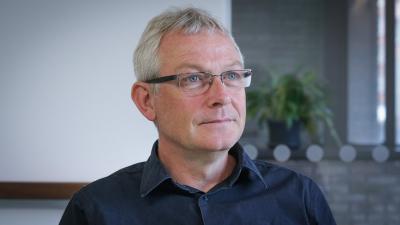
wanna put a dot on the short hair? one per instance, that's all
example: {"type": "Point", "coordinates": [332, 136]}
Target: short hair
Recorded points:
{"type": "Point", "coordinates": [190, 20]}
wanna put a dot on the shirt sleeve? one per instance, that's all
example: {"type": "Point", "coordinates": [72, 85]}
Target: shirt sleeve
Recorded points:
{"type": "Point", "coordinates": [320, 213]}
{"type": "Point", "coordinates": [74, 214]}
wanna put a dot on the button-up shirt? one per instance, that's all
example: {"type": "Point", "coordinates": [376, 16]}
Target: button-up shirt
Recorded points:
{"type": "Point", "coordinates": [257, 192]}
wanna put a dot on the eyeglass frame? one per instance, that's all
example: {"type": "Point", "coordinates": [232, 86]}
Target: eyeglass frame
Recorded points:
{"type": "Point", "coordinates": [162, 79]}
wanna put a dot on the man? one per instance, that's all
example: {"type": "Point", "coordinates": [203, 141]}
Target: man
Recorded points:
{"type": "Point", "coordinates": [190, 83]}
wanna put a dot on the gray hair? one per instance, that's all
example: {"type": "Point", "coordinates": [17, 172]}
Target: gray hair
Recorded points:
{"type": "Point", "coordinates": [190, 20]}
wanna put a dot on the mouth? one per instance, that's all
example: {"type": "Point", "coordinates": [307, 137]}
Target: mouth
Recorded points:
{"type": "Point", "coordinates": [218, 121]}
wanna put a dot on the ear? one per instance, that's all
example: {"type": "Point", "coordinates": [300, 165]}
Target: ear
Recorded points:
{"type": "Point", "coordinates": [143, 99]}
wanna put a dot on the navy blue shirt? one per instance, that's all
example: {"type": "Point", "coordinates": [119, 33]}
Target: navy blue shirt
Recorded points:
{"type": "Point", "coordinates": [256, 192]}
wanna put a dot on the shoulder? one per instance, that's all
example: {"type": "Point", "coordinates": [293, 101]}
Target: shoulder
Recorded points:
{"type": "Point", "coordinates": [292, 186]}
{"type": "Point", "coordinates": [276, 175]}
{"type": "Point", "coordinates": [128, 178]}
{"type": "Point", "coordinates": [268, 168]}
{"type": "Point", "coordinates": [104, 196]}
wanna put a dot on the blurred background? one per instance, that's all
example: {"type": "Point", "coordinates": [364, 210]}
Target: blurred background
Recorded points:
{"type": "Point", "coordinates": [66, 114]}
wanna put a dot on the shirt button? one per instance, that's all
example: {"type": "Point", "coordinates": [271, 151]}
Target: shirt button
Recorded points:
{"type": "Point", "coordinates": [204, 198]}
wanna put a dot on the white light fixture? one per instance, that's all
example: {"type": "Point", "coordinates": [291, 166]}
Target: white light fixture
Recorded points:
{"type": "Point", "coordinates": [314, 153]}
{"type": "Point", "coordinates": [380, 153]}
{"type": "Point", "coordinates": [281, 153]}
{"type": "Point", "coordinates": [251, 150]}
{"type": "Point", "coordinates": [347, 153]}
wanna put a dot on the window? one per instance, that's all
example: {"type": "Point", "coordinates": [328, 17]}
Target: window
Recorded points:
{"type": "Point", "coordinates": [397, 71]}
{"type": "Point", "coordinates": [366, 72]}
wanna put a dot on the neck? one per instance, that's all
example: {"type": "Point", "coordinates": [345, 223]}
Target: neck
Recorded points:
{"type": "Point", "coordinates": [201, 169]}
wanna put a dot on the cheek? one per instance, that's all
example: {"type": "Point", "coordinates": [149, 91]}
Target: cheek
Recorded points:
{"type": "Point", "coordinates": [239, 103]}
{"type": "Point", "coordinates": [173, 112]}
{"type": "Point", "coordinates": [240, 107]}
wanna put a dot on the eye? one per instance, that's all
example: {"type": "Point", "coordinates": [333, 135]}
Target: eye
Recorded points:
{"type": "Point", "coordinates": [232, 75]}
{"type": "Point", "coordinates": [192, 80]}
{"type": "Point", "coordinates": [194, 77]}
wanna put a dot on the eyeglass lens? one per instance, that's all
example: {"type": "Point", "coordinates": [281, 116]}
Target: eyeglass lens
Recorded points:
{"type": "Point", "coordinates": [198, 83]}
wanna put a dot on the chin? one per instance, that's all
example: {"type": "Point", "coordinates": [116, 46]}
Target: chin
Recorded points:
{"type": "Point", "coordinates": [217, 139]}
{"type": "Point", "coordinates": [216, 144]}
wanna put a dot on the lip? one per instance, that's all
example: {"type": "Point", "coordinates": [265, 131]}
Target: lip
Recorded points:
{"type": "Point", "coordinates": [218, 121]}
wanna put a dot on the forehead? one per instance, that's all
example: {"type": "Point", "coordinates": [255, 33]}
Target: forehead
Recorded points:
{"type": "Point", "coordinates": [208, 50]}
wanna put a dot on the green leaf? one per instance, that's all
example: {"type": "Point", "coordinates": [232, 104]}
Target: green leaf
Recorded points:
{"type": "Point", "coordinates": [290, 97]}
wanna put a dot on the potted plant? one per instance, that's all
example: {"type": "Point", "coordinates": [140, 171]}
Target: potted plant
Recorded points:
{"type": "Point", "coordinates": [288, 103]}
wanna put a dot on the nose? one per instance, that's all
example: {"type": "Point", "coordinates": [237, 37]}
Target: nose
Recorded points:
{"type": "Point", "coordinates": [217, 93]}
{"type": "Point", "coordinates": [218, 77]}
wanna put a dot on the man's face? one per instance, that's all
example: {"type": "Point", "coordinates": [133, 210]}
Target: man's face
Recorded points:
{"type": "Point", "coordinates": [211, 121]}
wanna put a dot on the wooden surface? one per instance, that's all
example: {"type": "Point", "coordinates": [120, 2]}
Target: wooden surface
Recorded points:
{"type": "Point", "coordinates": [30, 190]}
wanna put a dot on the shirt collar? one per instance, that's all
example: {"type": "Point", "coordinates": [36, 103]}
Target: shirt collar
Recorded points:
{"type": "Point", "coordinates": [154, 173]}
{"type": "Point", "coordinates": [244, 161]}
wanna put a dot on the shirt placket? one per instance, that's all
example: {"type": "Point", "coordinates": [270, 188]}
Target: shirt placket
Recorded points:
{"type": "Point", "coordinates": [203, 204]}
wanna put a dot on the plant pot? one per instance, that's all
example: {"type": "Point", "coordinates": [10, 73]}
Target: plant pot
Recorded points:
{"type": "Point", "coordinates": [279, 133]}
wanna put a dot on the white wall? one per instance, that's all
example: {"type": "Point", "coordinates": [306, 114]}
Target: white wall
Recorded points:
{"type": "Point", "coordinates": [31, 212]}
{"type": "Point", "coordinates": [65, 77]}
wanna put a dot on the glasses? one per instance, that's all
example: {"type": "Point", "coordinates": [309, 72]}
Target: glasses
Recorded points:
{"type": "Point", "coordinates": [197, 83]}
